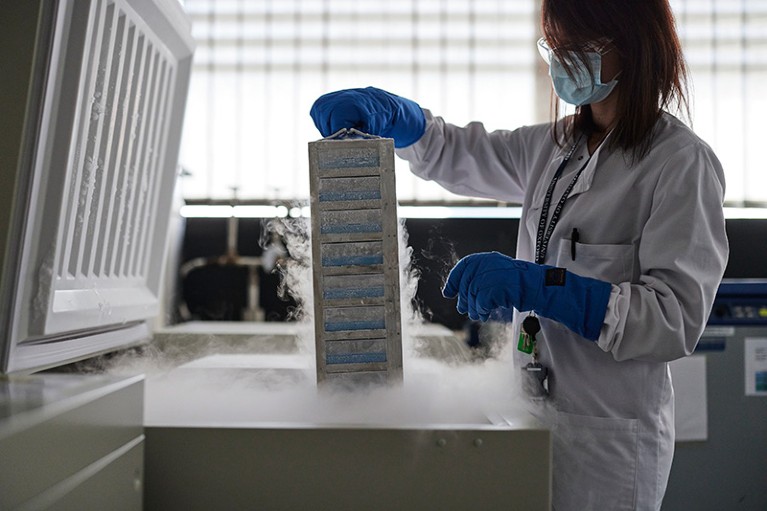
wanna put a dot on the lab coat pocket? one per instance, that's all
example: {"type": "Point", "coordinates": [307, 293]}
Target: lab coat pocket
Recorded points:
{"type": "Point", "coordinates": [611, 263]}
{"type": "Point", "coordinates": [595, 463]}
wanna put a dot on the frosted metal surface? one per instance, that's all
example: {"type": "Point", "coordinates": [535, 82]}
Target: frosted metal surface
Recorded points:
{"type": "Point", "coordinates": [98, 176]}
{"type": "Point", "coordinates": [355, 261]}
{"type": "Point", "coordinates": [115, 170]}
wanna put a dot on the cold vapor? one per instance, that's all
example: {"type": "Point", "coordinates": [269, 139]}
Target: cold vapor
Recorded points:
{"type": "Point", "coordinates": [270, 378]}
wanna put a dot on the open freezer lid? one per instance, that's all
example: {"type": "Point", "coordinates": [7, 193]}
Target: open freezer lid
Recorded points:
{"type": "Point", "coordinates": [90, 194]}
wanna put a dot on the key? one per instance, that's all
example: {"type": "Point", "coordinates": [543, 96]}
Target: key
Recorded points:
{"type": "Point", "coordinates": [530, 327]}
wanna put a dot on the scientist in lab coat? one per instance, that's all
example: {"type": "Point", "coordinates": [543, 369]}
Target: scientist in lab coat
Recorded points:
{"type": "Point", "coordinates": [621, 243]}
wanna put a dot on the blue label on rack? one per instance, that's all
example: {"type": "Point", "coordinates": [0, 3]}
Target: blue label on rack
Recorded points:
{"type": "Point", "coordinates": [339, 326]}
{"type": "Point", "coordinates": [348, 158]}
{"type": "Point", "coordinates": [350, 228]}
{"type": "Point", "coordinates": [356, 358]}
{"type": "Point", "coordinates": [361, 292]}
{"type": "Point", "coordinates": [356, 260]}
{"type": "Point", "coordinates": [350, 195]}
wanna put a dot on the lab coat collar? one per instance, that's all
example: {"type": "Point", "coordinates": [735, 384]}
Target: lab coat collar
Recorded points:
{"type": "Point", "coordinates": [587, 176]}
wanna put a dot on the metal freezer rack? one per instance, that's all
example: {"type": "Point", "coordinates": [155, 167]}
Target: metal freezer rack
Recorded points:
{"type": "Point", "coordinates": [355, 259]}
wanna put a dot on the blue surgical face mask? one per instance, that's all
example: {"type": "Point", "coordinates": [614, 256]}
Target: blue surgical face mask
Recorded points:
{"type": "Point", "coordinates": [584, 87]}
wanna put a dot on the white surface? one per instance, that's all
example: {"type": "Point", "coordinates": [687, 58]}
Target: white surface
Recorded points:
{"type": "Point", "coordinates": [276, 361]}
{"type": "Point", "coordinates": [236, 328]}
{"type": "Point", "coordinates": [690, 402]}
{"type": "Point", "coordinates": [71, 441]}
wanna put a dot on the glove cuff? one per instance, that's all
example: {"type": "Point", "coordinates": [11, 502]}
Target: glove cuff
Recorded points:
{"type": "Point", "coordinates": [412, 116]}
{"type": "Point", "coordinates": [579, 303]}
{"type": "Point", "coordinates": [595, 309]}
{"type": "Point", "coordinates": [408, 122]}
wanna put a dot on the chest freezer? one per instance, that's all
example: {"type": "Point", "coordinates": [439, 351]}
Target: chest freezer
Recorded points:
{"type": "Point", "coordinates": [257, 429]}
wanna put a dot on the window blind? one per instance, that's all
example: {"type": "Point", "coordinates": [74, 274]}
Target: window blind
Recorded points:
{"type": "Point", "coordinates": [260, 64]}
{"type": "Point", "coordinates": [725, 45]}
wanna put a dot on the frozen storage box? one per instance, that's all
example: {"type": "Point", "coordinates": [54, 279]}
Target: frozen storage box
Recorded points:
{"type": "Point", "coordinates": [358, 335]}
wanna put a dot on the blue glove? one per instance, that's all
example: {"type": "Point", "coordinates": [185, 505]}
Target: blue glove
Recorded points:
{"type": "Point", "coordinates": [486, 281]}
{"type": "Point", "coordinates": [373, 111]}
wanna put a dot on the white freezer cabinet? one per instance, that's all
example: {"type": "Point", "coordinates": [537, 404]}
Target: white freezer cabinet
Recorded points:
{"type": "Point", "coordinates": [70, 441]}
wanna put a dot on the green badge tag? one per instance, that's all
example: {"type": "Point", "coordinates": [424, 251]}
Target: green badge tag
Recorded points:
{"type": "Point", "coordinates": [526, 343]}
{"type": "Point", "coordinates": [530, 327]}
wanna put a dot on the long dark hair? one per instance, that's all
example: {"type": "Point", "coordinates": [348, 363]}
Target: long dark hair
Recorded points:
{"type": "Point", "coordinates": [654, 73]}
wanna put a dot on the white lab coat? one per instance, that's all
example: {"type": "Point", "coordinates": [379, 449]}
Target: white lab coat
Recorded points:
{"type": "Point", "coordinates": [656, 231]}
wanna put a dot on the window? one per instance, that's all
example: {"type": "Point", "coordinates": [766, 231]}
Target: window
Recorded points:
{"type": "Point", "coordinates": [260, 64]}
{"type": "Point", "coordinates": [726, 48]}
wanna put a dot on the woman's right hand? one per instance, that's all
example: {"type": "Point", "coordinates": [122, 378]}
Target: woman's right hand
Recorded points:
{"type": "Point", "coordinates": [370, 110]}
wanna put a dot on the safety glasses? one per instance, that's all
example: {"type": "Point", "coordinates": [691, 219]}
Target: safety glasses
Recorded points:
{"type": "Point", "coordinates": [601, 47]}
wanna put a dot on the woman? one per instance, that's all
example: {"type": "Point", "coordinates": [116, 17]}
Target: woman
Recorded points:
{"type": "Point", "coordinates": [621, 244]}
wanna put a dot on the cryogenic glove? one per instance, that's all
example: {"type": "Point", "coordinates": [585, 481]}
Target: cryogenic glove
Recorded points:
{"type": "Point", "coordinates": [486, 281]}
{"type": "Point", "coordinates": [370, 110]}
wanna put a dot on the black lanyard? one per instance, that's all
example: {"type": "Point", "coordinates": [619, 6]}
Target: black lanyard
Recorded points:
{"type": "Point", "coordinates": [544, 234]}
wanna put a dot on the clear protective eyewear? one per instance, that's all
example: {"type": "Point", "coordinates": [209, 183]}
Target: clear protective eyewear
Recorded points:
{"type": "Point", "coordinates": [547, 52]}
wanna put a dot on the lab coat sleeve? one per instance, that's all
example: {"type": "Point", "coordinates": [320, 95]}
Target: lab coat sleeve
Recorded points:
{"type": "Point", "coordinates": [682, 255]}
{"type": "Point", "coordinates": [471, 161]}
